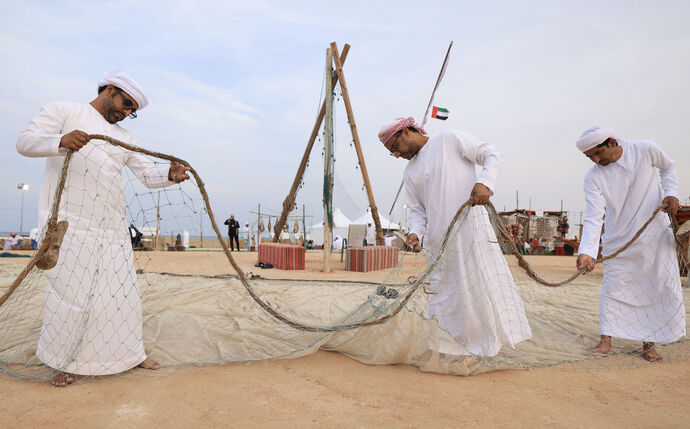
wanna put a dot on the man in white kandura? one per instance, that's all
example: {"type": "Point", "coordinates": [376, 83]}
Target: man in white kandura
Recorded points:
{"type": "Point", "coordinates": [185, 239]}
{"type": "Point", "coordinates": [472, 294]}
{"type": "Point", "coordinates": [641, 297]}
{"type": "Point", "coordinates": [33, 236]}
{"type": "Point", "coordinates": [247, 237]}
{"type": "Point", "coordinates": [92, 322]}
{"type": "Point", "coordinates": [370, 235]}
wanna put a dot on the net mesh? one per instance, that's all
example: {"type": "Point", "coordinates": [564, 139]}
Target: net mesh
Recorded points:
{"type": "Point", "coordinates": [105, 306]}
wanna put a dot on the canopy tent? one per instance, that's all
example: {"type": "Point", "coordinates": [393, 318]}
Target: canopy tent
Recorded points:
{"type": "Point", "coordinates": [340, 227]}
{"type": "Point", "coordinates": [367, 218]}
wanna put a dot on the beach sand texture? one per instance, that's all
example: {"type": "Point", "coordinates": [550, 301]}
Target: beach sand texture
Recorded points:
{"type": "Point", "coordinates": [214, 321]}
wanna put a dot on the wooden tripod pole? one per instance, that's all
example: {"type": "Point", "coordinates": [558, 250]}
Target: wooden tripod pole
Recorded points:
{"type": "Point", "coordinates": [289, 202]}
{"type": "Point", "coordinates": [355, 137]}
{"type": "Point", "coordinates": [327, 164]}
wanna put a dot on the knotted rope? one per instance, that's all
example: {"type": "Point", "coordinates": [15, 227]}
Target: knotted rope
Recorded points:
{"type": "Point", "coordinates": [522, 262]}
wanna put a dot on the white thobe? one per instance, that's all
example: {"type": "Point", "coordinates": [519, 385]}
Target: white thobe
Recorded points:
{"type": "Point", "coordinates": [337, 243]}
{"type": "Point", "coordinates": [11, 241]}
{"type": "Point", "coordinates": [371, 235]}
{"type": "Point", "coordinates": [185, 239]}
{"type": "Point", "coordinates": [473, 294]}
{"type": "Point", "coordinates": [92, 314]}
{"type": "Point", "coordinates": [247, 237]}
{"type": "Point", "coordinates": [641, 297]}
{"type": "Point", "coordinates": [246, 233]}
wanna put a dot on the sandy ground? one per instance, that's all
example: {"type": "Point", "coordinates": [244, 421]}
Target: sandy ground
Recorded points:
{"type": "Point", "coordinates": [330, 390]}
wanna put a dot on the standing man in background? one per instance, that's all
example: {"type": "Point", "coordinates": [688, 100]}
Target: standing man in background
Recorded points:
{"type": "Point", "coordinates": [233, 232]}
{"type": "Point", "coordinates": [33, 236]}
{"type": "Point", "coordinates": [371, 235]}
{"type": "Point", "coordinates": [247, 237]}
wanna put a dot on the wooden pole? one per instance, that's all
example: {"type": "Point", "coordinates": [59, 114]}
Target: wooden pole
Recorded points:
{"type": "Point", "coordinates": [289, 202]}
{"type": "Point", "coordinates": [355, 137]}
{"type": "Point", "coordinates": [258, 228]}
{"type": "Point", "coordinates": [529, 219]}
{"type": "Point", "coordinates": [201, 228]}
{"type": "Point", "coordinates": [158, 219]}
{"type": "Point", "coordinates": [441, 73]}
{"type": "Point", "coordinates": [304, 227]}
{"type": "Point", "coordinates": [438, 82]}
{"type": "Point", "coordinates": [328, 175]}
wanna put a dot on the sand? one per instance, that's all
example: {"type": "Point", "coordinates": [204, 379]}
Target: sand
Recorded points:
{"type": "Point", "coordinates": [329, 389]}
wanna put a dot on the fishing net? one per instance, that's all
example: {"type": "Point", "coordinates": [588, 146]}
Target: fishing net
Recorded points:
{"type": "Point", "coordinates": [90, 313]}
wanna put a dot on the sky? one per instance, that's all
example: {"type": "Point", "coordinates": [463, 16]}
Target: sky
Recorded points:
{"type": "Point", "coordinates": [234, 88]}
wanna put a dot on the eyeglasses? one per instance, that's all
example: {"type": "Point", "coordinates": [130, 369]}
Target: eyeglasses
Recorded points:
{"type": "Point", "coordinates": [394, 146]}
{"type": "Point", "coordinates": [127, 103]}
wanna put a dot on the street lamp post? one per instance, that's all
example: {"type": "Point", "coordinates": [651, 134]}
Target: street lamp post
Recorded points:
{"type": "Point", "coordinates": [22, 187]}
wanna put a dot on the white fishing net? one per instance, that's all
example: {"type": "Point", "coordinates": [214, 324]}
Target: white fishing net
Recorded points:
{"type": "Point", "coordinates": [83, 315]}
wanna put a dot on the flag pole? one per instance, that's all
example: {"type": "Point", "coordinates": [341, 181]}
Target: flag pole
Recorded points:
{"type": "Point", "coordinates": [426, 113]}
{"type": "Point", "coordinates": [438, 82]}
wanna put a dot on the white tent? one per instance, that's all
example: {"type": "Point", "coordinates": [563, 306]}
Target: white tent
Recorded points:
{"type": "Point", "coordinates": [340, 227]}
{"type": "Point", "coordinates": [367, 218]}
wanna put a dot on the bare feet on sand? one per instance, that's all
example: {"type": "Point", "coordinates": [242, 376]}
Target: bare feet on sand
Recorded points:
{"type": "Point", "coordinates": [649, 353]}
{"type": "Point", "coordinates": [604, 346]}
{"type": "Point", "coordinates": [63, 379]}
{"type": "Point", "coordinates": [149, 363]}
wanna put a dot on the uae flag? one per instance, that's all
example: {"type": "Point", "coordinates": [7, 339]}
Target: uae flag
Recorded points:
{"type": "Point", "coordinates": [439, 113]}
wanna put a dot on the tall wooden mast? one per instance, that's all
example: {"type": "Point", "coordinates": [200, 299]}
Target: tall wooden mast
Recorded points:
{"type": "Point", "coordinates": [355, 137]}
{"type": "Point", "coordinates": [289, 203]}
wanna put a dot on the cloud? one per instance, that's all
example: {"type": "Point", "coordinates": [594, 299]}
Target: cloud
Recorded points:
{"type": "Point", "coordinates": [235, 86]}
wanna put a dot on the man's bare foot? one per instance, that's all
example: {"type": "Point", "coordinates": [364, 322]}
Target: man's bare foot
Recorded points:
{"type": "Point", "coordinates": [604, 346]}
{"type": "Point", "coordinates": [650, 354]}
{"type": "Point", "coordinates": [149, 363]}
{"type": "Point", "coordinates": [63, 379]}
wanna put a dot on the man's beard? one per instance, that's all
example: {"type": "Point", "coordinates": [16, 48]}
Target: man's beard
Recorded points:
{"type": "Point", "coordinates": [114, 117]}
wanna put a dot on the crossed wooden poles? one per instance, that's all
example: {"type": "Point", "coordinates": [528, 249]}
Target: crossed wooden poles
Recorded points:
{"type": "Point", "coordinates": [289, 203]}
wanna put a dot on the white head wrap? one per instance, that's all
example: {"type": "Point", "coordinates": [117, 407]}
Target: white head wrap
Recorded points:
{"type": "Point", "coordinates": [121, 80]}
{"type": "Point", "coordinates": [594, 137]}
